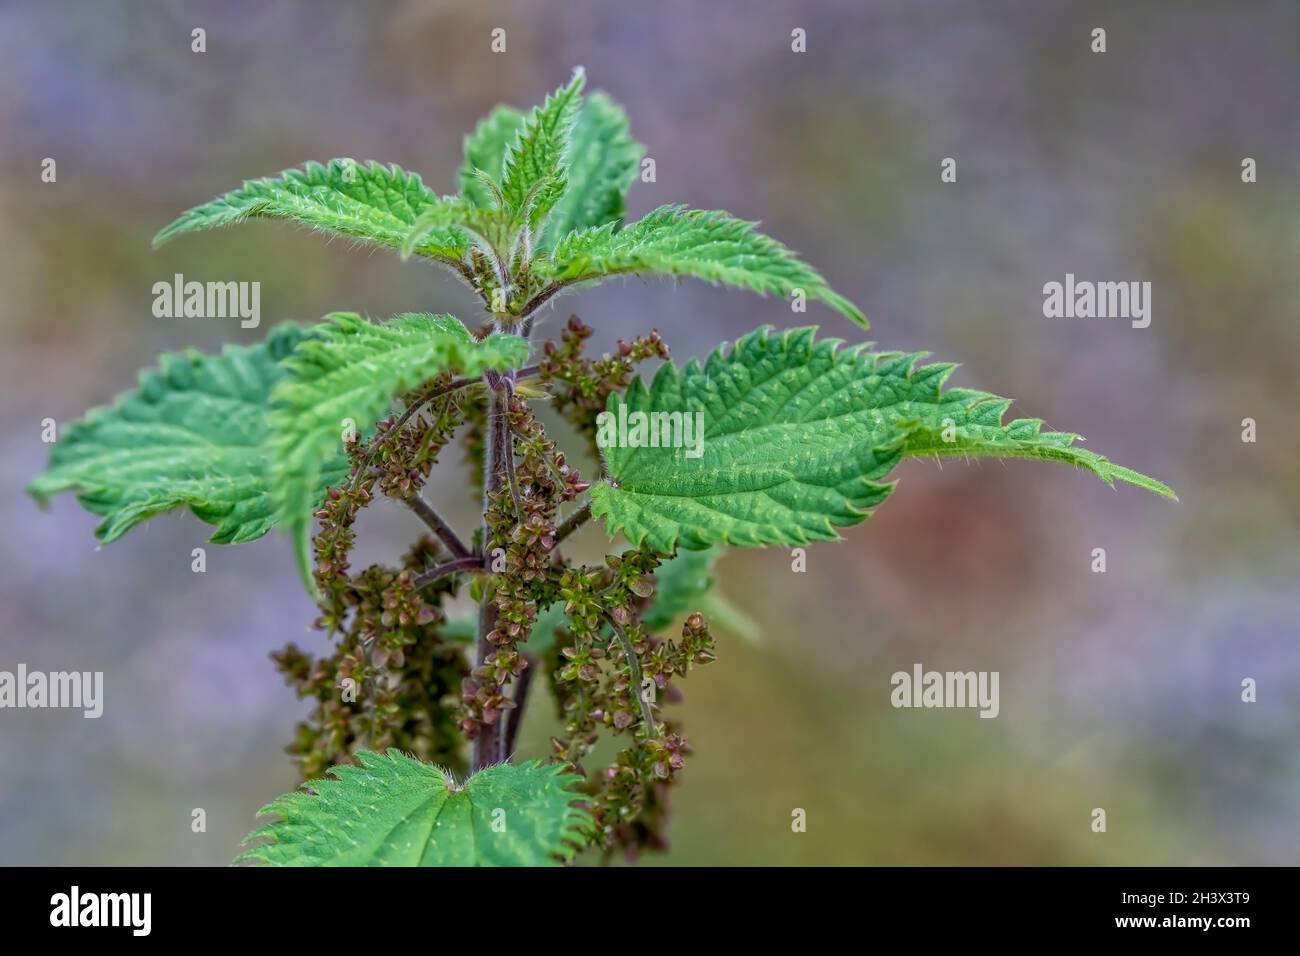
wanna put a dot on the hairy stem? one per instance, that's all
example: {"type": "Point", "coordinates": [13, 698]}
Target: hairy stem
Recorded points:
{"type": "Point", "coordinates": [489, 745]}
{"type": "Point", "coordinates": [446, 534]}
{"type": "Point", "coordinates": [573, 522]}
{"type": "Point", "coordinates": [539, 300]}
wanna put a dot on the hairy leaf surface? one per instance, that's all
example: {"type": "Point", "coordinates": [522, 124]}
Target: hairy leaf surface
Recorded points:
{"type": "Point", "coordinates": [534, 175]}
{"type": "Point", "coordinates": [393, 810]}
{"type": "Point", "coordinates": [369, 202]}
{"type": "Point", "coordinates": [190, 436]}
{"type": "Point", "coordinates": [485, 150]}
{"type": "Point", "coordinates": [346, 373]}
{"type": "Point", "coordinates": [603, 160]}
{"type": "Point", "coordinates": [705, 244]}
{"type": "Point", "coordinates": [798, 435]}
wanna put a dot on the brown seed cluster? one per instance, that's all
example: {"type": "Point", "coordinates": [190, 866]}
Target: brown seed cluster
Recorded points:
{"type": "Point", "coordinates": [521, 537]}
{"type": "Point", "coordinates": [395, 679]}
{"type": "Point", "coordinates": [608, 674]}
{"type": "Point", "coordinates": [391, 679]}
{"type": "Point", "coordinates": [581, 386]}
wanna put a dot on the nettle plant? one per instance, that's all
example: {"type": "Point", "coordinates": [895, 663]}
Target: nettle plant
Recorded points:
{"type": "Point", "coordinates": [415, 713]}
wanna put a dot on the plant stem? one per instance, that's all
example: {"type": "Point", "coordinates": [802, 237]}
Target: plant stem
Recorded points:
{"type": "Point", "coordinates": [573, 522]}
{"type": "Point", "coordinates": [515, 716]}
{"type": "Point", "coordinates": [508, 459]}
{"type": "Point", "coordinates": [469, 563]}
{"type": "Point", "coordinates": [634, 665]}
{"type": "Point", "coordinates": [446, 534]}
{"type": "Point", "coordinates": [493, 744]}
{"type": "Point", "coordinates": [489, 745]}
{"type": "Point", "coordinates": [539, 300]}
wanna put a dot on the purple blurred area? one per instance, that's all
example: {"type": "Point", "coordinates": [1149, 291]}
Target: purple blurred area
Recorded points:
{"type": "Point", "coordinates": [1119, 690]}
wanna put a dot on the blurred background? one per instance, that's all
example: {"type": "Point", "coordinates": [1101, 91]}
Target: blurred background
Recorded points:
{"type": "Point", "coordinates": [1119, 690]}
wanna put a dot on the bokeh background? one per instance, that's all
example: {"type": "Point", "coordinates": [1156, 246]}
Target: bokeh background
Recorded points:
{"type": "Point", "coordinates": [1119, 690]}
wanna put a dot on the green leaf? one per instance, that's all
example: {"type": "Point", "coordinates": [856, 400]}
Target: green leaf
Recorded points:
{"type": "Point", "coordinates": [371, 202]}
{"type": "Point", "coordinates": [485, 150]}
{"type": "Point", "coordinates": [685, 583]}
{"type": "Point", "coordinates": [190, 436]}
{"type": "Point", "coordinates": [349, 370]}
{"type": "Point", "coordinates": [533, 177]}
{"type": "Point", "coordinates": [396, 811]}
{"type": "Point", "coordinates": [542, 637]}
{"type": "Point", "coordinates": [603, 162]}
{"type": "Point", "coordinates": [493, 230]}
{"type": "Point", "coordinates": [436, 219]}
{"type": "Point", "coordinates": [680, 583]}
{"type": "Point", "coordinates": [709, 245]}
{"type": "Point", "coordinates": [798, 434]}
{"type": "Point", "coordinates": [724, 615]}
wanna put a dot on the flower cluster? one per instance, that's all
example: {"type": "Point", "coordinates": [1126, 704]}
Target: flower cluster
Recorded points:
{"type": "Point", "coordinates": [521, 537]}
{"type": "Point", "coordinates": [609, 674]}
{"type": "Point", "coordinates": [582, 386]}
{"type": "Point", "coordinates": [391, 679]}
{"type": "Point", "coordinates": [395, 679]}
{"type": "Point", "coordinates": [404, 458]}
